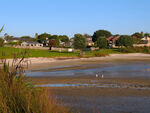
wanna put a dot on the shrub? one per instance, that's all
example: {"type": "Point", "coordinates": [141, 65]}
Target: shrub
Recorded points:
{"type": "Point", "coordinates": [135, 50]}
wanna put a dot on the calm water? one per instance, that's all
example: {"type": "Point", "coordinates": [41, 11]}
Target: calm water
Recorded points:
{"type": "Point", "coordinates": [120, 69]}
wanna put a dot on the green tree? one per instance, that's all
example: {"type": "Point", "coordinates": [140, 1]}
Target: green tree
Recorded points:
{"type": "Point", "coordinates": [64, 38]}
{"type": "Point", "coordinates": [102, 42]}
{"type": "Point", "coordinates": [43, 37]}
{"type": "Point", "coordinates": [79, 41]}
{"type": "Point", "coordinates": [101, 33]}
{"type": "Point", "coordinates": [137, 35]}
{"type": "Point", "coordinates": [125, 40]}
{"type": "Point", "coordinates": [146, 34]}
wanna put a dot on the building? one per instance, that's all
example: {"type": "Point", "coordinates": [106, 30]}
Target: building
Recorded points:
{"type": "Point", "coordinates": [145, 41]}
{"type": "Point", "coordinates": [31, 44]}
{"type": "Point", "coordinates": [112, 41]}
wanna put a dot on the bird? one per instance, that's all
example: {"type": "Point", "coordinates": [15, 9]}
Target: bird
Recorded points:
{"type": "Point", "coordinates": [102, 76]}
{"type": "Point", "coordinates": [96, 75]}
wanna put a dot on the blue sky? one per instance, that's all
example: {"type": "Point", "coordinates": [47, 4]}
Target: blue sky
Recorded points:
{"type": "Point", "coordinates": [26, 17]}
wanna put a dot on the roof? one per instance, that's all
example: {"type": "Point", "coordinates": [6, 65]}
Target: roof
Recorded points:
{"type": "Point", "coordinates": [111, 37]}
{"type": "Point", "coordinates": [116, 38]}
{"type": "Point", "coordinates": [31, 42]}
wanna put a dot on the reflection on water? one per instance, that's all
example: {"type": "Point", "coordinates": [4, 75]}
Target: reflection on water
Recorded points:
{"type": "Point", "coordinates": [119, 69]}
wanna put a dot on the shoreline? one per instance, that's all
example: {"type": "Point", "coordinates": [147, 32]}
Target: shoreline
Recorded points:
{"type": "Point", "coordinates": [41, 63]}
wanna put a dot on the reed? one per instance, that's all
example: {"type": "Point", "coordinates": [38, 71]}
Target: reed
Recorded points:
{"type": "Point", "coordinates": [17, 95]}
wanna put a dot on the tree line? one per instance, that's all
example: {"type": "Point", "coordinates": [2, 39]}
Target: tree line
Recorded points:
{"type": "Point", "coordinates": [99, 38]}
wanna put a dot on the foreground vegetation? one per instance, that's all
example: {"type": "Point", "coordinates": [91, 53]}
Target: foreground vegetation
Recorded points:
{"type": "Point", "coordinates": [17, 95]}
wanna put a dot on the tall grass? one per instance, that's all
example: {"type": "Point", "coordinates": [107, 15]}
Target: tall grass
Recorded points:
{"type": "Point", "coordinates": [17, 95]}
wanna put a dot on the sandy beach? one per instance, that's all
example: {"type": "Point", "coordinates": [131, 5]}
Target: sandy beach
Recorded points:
{"type": "Point", "coordinates": [38, 63]}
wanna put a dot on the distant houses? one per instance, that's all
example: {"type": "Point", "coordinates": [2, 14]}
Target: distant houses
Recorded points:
{"type": "Point", "coordinates": [31, 44]}
{"type": "Point", "coordinates": [112, 41]}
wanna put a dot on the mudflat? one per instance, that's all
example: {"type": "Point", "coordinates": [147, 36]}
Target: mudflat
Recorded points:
{"type": "Point", "coordinates": [125, 87]}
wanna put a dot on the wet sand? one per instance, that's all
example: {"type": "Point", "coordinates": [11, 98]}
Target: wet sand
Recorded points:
{"type": "Point", "coordinates": [98, 99]}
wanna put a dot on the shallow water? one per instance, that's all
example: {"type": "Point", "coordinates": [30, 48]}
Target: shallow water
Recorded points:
{"type": "Point", "coordinates": [95, 85]}
{"type": "Point", "coordinates": [114, 69]}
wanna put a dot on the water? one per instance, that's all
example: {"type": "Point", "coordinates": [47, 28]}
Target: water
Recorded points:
{"type": "Point", "coordinates": [95, 85]}
{"type": "Point", "coordinates": [120, 69]}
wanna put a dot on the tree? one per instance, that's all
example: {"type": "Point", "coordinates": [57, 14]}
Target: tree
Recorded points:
{"type": "Point", "coordinates": [1, 42]}
{"type": "Point", "coordinates": [101, 33]}
{"type": "Point", "coordinates": [102, 42]}
{"type": "Point", "coordinates": [56, 37]}
{"type": "Point", "coordinates": [87, 36]}
{"type": "Point", "coordinates": [125, 40]}
{"type": "Point", "coordinates": [52, 43]}
{"type": "Point", "coordinates": [137, 35]}
{"type": "Point", "coordinates": [43, 37]}
{"type": "Point", "coordinates": [146, 34]}
{"type": "Point", "coordinates": [27, 38]}
{"type": "Point", "coordinates": [79, 41]}
{"type": "Point", "coordinates": [64, 38]}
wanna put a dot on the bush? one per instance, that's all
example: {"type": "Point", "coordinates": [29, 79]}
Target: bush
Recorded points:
{"type": "Point", "coordinates": [135, 50]}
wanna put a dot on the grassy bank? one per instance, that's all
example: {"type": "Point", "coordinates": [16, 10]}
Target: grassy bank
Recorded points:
{"type": "Point", "coordinates": [9, 53]}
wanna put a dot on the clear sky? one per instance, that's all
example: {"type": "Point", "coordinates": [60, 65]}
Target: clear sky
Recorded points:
{"type": "Point", "coordinates": [26, 17]}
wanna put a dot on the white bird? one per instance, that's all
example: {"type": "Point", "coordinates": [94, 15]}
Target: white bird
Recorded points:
{"type": "Point", "coordinates": [102, 76]}
{"type": "Point", "coordinates": [96, 75]}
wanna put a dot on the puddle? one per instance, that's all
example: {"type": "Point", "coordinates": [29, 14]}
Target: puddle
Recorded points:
{"type": "Point", "coordinates": [95, 85]}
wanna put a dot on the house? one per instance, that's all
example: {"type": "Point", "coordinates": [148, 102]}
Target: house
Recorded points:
{"type": "Point", "coordinates": [31, 44]}
{"type": "Point", "coordinates": [145, 41]}
{"type": "Point", "coordinates": [89, 41]}
{"type": "Point", "coordinates": [45, 42]}
{"type": "Point", "coordinates": [71, 41]}
{"type": "Point", "coordinates": [112, 41]}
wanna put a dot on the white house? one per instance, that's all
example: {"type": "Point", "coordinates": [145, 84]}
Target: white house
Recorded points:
{"type": "Point", "coordinates": [31, 44]}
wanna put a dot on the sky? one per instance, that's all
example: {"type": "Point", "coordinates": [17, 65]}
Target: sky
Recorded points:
{"type": "Point", "coordinates": [68, 17]}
